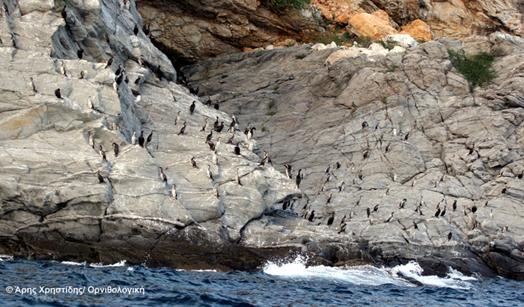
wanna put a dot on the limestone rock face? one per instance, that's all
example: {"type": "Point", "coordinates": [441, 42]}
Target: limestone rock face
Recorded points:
{"type": "Point", "coordinates": [384, 141]}
{"type": "Point", "coordinates": [191, 30]}
{"type": "Point", "coordinates": [63, 198]}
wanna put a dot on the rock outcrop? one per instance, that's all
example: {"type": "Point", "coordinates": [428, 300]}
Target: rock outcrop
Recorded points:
{"type": "Point", "coordinates": [189, 30]}
{"type": "Point", "coordinates": [397, 146]}
{"type": "Point", "coordinates": [63, 199]}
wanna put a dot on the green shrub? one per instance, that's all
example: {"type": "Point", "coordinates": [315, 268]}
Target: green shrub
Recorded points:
{"type": "Point", "coordinates": [300, 56]}
{"type": "Point", "coordinates": [280, 5]}
{"type": "Point", "coordinates": [364, 41]}
{"type": "Point", "coordinates": [271, 113]}
{"type": "Point", "coordinates": [478, 69]}
{"type": "Point", "coordinates": [389, 44]}
{"type": "Point", "coordinates": [339, 40]}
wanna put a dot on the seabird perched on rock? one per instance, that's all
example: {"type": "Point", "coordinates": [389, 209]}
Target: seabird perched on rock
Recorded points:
{"type": "Point", "coordinates": [100, 178]}
{"type": "Point", "coordinates": [415, 225]}
{"type": "Point", "coordinates": [402, 204]}
{"type": "Point", "coordinates": [90, 140]}
{"type": "Point", "coordinates": [116, 149]}
{"type": "Point", "coordinates": [365, 125]}
{"type": "Point", "coordinates": [173, 191]}
{"type": "Point", "coordinates": [474, 209]}
{"type": "Point", "coordinates": [389, 218]}
{"type": "Point", "coordinates": [406, 136]}
{"type": "Point", "coordinates": [141, 139]}
{"type": "Point", "coordinates": [358, 201]}
{"type": "Point", "coordinates": [162, 175]}
{"type": "Point", "coordinates": [375, 209]}
{"type": "Point", "coordinates": [146, 29]}
{"type": "Point", "coordinates": [231, 139]}
{"type": "Point", "coordinates": [237, 149]}
{"type": "Point", "coordinates": [58, 94]}
{"type": "Point", "coordinates": [232, 126]}
{"type": "Point", "coordinates": [298, 178]}
{"type": "Point", "coordinates": [491, 214]}
{"type": "Point", "coordinates": [80, 53]}
{"type": "Point", "coordinates": [215, 125]}
{"type": "Point", "coordinates": [83, 74]}
{"type": "Point", "coordinates": [343, 228]}
{"type": "Point", "coordinates": [337, 165]}
{"type": "Point", "coordinates": [366, 154]}
{"type": "Point", "coordinates": [32, 83]}
{"type": "Point", "coordinates": [220, 127]}
{"type": "Point", "coordinates": [205, 125]}
{"type": "Point", "coordinates": [211, 145]}
{"type": "Point", "coordinates": [216, 106]}
{"type": "Point", "coordinates": [209, 137]}
{"type": "Point", "coordinates": [248, 128]}
{"type": "Point", "coordinates": [368, 212]}
{"type": "Point", "coordinates": [288, 171]}
{"type": "Point", "coordinates": [177, 118]}
{"type": "Point", "coordinates": [192, 108]}
{"type": "Point", "coordinates": [443, 211]}
{"type": "Point", "coordinates": [135, 30]}
{"type": "Point", "coordinates": [110, 61]}
{"type": "Point", "coordinates": [250, 133]}
{"type": "Point", "coordinates": [450, 235]}
{"type": "Point", "coordinates": [343, 220]}
{"type": "Point", "coordinates": [331, 219]}
{"type": "Point", "coordinates": [464, 211]}
{"type": "Point", "coordinates": [149, 138]}
{"type": "Point", "coordinates": [329, 199]}
{"type": "Point", "coordinates": [183, 130]}
{"type": "Point", "coordinates": [504, 229]}
{"type": "Point", "coordinates": [209, 174]}
{"type": "Point", "coordinates": [103, 154]}
{"type": "Point", "coordinates": [118, 70]}
{"type": "Point", "coordinates": [133, 138]}
{"type": "Point", "coordinates": [437, 213]}
{"type": "Point", "coordinates": [311, 216]}
{"type": "Point", "coordinates": [193, 163]}
{"type": "Point", "coordinates": [388, 147]}
{"type": "Point", "coordinates": [454, 205]}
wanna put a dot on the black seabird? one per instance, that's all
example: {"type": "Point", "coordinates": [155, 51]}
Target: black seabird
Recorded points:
{"type": "Point", "coordinates": [368, 212]}
{"type": "Point", "coordinates": [415, 225]}
{"type": "Point", "coordinates": [365, 125]}
{"type": "Point", "coordinates": [437, 213]}
{"type": "Point", "coordinates": [58, 94]}
{"type": "Point", "coordinates": [454, 205]}
{"type": "Point", "coordinates": [246, 131]}
{"type": "Point", "coordinates": [298, 179]}
{"type": "Point", "coordinates": [192, 108]}
{"type": "Point", "coordinates": [389, 218]}
{"type": "Point", "coordinates": [141, 139]}
{"type": "Point", "coordinates": [402, 204]}
{"type": "Point", "coordinates": [311, 216]}
{"type": "Point", "coordinates": [331, 219]}
{"type": "Point", "coordinates": [231, 139]}
{"type": "Point", "coordinates": [209, 174]}
{"type": "Point", "coordinates": [205, 125]}
{"type": "Point", "coordinates": [237, 150]}
{"type": "Point", "coordinates": [80, 53]}
{"type": "Point", "coordinates": [220, 127]}
{"type": "Point", "coordinates": [450, 235]}
{"type": "Point", "coordinates": [118, 70]}
{"type": "Point", "coordinates": [388, 147]}
{"type": "Point", "coordinates": [119, 79]}
{"type": "Point", "coordinates": [162, 175]}
{"type": "Point", "coordinates": [216, 106]}
{"type": "Point", "coordinates": [193, 163]}
{"type": "Point", "coordinates": [110, 61]}
{"type": "Point", "coordinates": [116, 148]}
{"type": "Point", "coordinates": [337, 165]}
{"type": "Point", "coordinates": [33, 85]}
{"type": "Point", "coordinates": [150, 137]}
{"type": "Point", "coordinates": [209, 136]}
{"type": "Point", "coordinates": [183, 130]}
{"type": "Point", "coordinates": [329, 199]}
{"type": "Point", "coordinates": [135, 30]}
{"type": "Point", "coordinates": [474, 209]}
{"type": "Point", "coordinates": [215, 125]}
{"type": "Point", "coordinates": [443, 211]}
{"type": "Point", "coordinates": [146, 29]}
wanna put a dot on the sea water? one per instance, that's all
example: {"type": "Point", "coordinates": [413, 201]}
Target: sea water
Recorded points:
{"type": "Point", "coordinates": [285, 283]}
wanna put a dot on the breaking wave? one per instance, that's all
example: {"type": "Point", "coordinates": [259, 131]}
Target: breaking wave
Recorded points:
{"type": "Point", "coordinates": [402, 275]}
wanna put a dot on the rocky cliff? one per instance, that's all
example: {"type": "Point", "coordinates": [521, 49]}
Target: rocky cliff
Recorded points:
{"type": "Point", "coordinates": [411, 160]}
{"type": "Point", "coordinates": [397, 133]}
{"type": "Point", "coordinates": [190, 30]}
{"type": "Point", "coordinates": [73, 182]}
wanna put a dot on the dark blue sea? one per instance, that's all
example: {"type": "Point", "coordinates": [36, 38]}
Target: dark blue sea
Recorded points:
{"type": "Point", "coordinates": [46, 283]}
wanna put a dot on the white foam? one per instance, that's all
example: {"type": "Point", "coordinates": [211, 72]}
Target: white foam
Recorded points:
{"type": "Point", "coordinates": [73, 263]}
{"type": "Point", "coordinates": [99, 265]}
{"type": "Point", "coordinates": [366, 274]}
{"type": "Point", "coordinates": [454, 279]}
{"type": "Point", "coordinates": [5, 257]}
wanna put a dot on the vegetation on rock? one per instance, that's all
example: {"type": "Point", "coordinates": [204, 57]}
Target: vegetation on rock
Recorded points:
{"type": "Point", "coordinates": [477, 69]}
{"type": "Point", "coordinates": [280, 5]}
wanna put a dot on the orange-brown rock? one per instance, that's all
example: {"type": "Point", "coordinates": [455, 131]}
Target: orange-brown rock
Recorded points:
{"type": "Point", "coordinates": [419, 30]}
{"type": "Point", "coordinates": [375, 25]}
